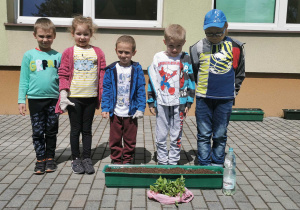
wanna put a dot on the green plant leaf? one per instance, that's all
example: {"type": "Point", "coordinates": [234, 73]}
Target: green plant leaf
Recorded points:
{"type": "Point", "coordinates": [169, 187]}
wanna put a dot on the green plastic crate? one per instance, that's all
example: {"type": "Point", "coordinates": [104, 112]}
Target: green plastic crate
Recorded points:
{"type": "Point", "coordinates": [139, 180]}
{"type": "Point", "coordinates": [242, 114]}
{"type": "Point", "coordinates": [291, 114]}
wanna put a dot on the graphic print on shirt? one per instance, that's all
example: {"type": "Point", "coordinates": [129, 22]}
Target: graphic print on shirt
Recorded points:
{"type": "Point", "coordinates": [169, 82]}
{"type": "Point", "coordinates": [40, 65]}
{"type": "Point", "coordinates": [123, 89]}
{"type": "Point", "coordinates": [84, 62]}
{"type": "Point", "coordinates": [165, 78]}
{"type": "Point", "coordinates": [85, 77]}
{"type": "Point", "coordinates": [221, 59]}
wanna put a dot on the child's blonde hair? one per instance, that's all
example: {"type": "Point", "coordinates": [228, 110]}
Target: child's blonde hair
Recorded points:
{"type": "Point", "coordinates": [45, 24]}
{"type": "Point", "coordinates": [127, 39]}
{"type": "Point", "coordinates": [174, 32]}
{"type": "Point", "coordinates": [79, 19]}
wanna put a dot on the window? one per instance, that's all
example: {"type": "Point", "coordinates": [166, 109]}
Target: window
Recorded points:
{"type": "Point", "coordinates": [273, 15]}
{"type": "Point", "coordinates": [110, 13]}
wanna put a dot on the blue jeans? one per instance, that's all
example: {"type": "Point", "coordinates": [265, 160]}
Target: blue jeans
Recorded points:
{"type": "Point", "coordinates": [212, 116]}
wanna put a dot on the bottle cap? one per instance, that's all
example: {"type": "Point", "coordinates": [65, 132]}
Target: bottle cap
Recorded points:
{"type": "Point", "coordinates": [230, 149]}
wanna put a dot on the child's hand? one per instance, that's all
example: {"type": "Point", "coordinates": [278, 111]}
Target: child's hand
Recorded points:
{"type": "Point", "coordinates": [138, 114]}
{"type": "Point", "coordinates": [152, 110]}
{"type": "Point", "coordinates": [185, 113]}
{"type": "Point", "coordinates": [105, 115]}
{"type": "Point", "coordinates": [22, 109]}
{"type": "Point", "coordinates": [187, 109]}
{"type": "Point", "coordinates": [64, 101]}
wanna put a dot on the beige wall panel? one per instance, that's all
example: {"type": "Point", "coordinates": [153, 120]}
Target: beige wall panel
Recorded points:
{"type": "Point", "coordinates": [3, 37]}
{"type": "Point", "coordinates": [189, 14]}
{"type": "Point", "coordinates": [147, 45]}
{"type": "Point", "coordinates": [271, 53]}
{"type": "Point", "coordinates": [21, 41]}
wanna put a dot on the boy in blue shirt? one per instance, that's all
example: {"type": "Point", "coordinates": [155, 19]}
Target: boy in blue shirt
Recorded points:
{"type": "Point", "coordinates": [39, 81]}
{"type": "Point", "coordinates": [219, 68]}
{"type": "Point", "coordinates": [123, 100]}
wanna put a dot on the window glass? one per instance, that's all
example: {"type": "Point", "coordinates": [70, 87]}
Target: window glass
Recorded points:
{"type": "Point", "coordinates": [126, 9]}
{"type": "Point", "coordinates": [51, 8]}
{"type": "Point", "coordinates": [293, 12]}
{"type": "Point", "coordinates": [248, 11]}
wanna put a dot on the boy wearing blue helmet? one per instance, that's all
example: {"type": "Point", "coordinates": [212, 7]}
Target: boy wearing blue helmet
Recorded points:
{"type": "Point", "coordinates": [219, 69]}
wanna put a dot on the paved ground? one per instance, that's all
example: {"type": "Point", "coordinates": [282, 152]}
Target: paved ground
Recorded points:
{"type": "Point", "coordinates": [268, 166]}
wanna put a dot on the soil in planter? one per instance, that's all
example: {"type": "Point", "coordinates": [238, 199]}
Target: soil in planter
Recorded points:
{"type": "Point", "coordinates": [162, 170]}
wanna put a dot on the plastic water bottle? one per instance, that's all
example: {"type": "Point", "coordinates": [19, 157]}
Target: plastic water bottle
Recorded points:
{"type": "Point", "coordinates": [229, 175]}
{"type": "Point", "coordinates": [230, 159]}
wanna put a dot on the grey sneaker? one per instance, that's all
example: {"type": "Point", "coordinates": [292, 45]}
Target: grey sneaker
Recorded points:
{"type": "Point", "coordinates": [50, 165]}
{"type": "Point", "coordinates": [77, 166]}
{"type": "Point", "coordinates": [88, 166]}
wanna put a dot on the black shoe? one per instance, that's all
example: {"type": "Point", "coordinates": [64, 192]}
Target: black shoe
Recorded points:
{"type": "Point", "coordinates": [77, 166]}
{"type": "Point", "coordinates": [50, 165]}
{"type": "Point", "coordinates": [39, 167]}
{"type": "Point", "coordinates": [88, 166]}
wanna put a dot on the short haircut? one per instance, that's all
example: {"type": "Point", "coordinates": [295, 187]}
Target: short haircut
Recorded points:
{"type": "Point", "coordinates": [79, 19]}
{"type": "Point", "coordinates": [45, 24]}
{"type": "Point", "coordinates": [174, 32]}
{"type": "Point", "coordinates": [126, 39]}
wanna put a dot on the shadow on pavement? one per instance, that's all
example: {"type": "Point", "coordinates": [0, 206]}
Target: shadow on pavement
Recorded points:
{"type": "Point", "coordinates": [102, 151]}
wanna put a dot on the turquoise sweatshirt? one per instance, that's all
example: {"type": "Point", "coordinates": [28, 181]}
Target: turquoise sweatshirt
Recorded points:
{"type": "Point", "coordinates": [39, 75]}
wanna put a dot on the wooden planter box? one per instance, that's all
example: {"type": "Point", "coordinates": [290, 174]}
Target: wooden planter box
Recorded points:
{"type": "Point", "coordinates": [142, 180]}
{"type": "Point", "coordinates": [291, 114]}
{"type": "Point", "coordinates": [242, 114]}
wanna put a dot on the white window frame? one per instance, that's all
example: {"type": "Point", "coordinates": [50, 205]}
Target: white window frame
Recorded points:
{"type": "Point", "coordinates": [89, 10]}
{"type": "Point", "coordinates": [278, 25]}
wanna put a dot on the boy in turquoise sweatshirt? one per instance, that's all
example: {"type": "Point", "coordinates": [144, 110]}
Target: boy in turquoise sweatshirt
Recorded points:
{"type": "Point", "coordinates": [39, 81]}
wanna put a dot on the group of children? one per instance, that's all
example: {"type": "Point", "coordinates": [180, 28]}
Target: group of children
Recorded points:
{"type": "Point", "coordinates": [78, 80]}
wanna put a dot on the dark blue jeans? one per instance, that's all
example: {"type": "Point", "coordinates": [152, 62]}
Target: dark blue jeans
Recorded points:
{"type": "Point", "coordinates": [44, 123]}
{"type": "Point", "coordinates": [212, 116]}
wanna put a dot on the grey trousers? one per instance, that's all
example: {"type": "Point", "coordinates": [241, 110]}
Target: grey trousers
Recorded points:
{"type": "Point", "coordinates": [168, 120]}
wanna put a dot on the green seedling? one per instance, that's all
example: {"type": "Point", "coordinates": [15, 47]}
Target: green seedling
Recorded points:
{"type": "Point", "coordinates": [169, 187]}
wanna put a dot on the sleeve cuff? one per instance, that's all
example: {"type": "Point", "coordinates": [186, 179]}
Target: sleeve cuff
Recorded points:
{"type": "Point", "coordinates": [151, 105]}
{"type": "Point", "coordinates": [188, 105]}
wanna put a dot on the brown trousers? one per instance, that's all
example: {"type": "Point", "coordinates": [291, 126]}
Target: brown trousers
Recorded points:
{"type": "Point", "coordinates": [122, 128]}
